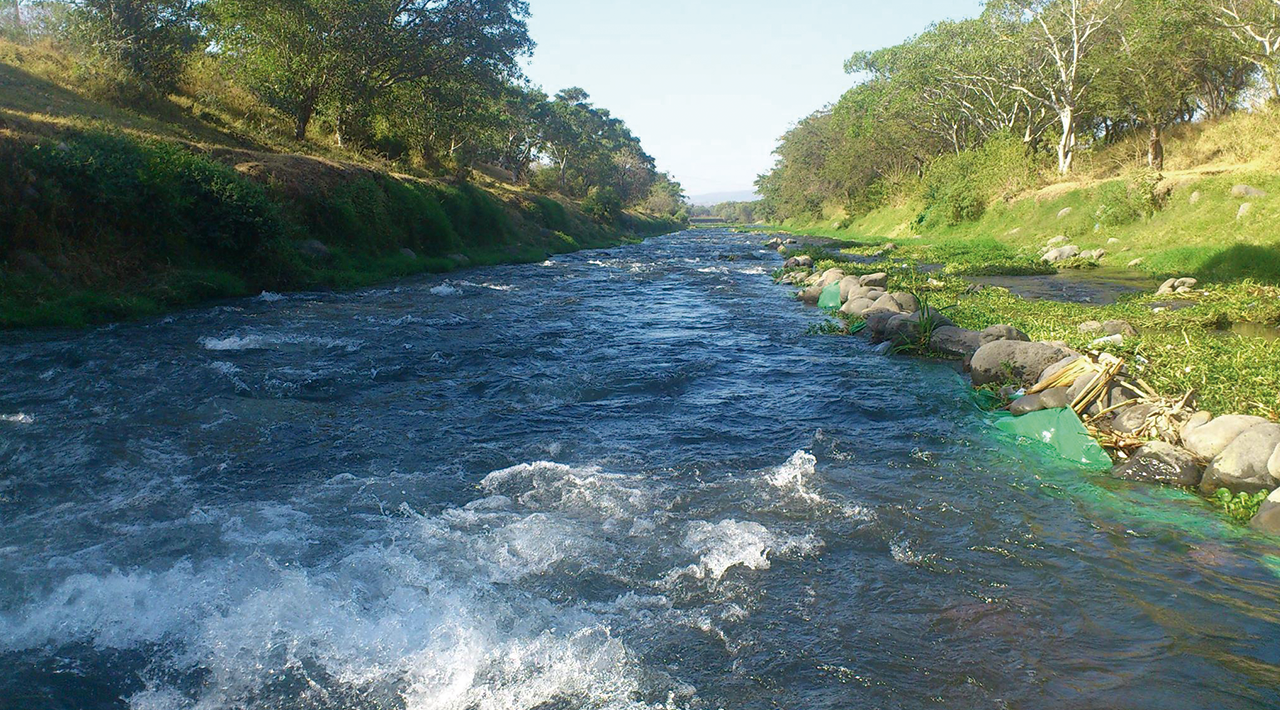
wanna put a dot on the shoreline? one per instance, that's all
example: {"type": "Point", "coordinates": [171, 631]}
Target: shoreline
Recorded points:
{"type": "Point", "coordinates": [1154, 434]}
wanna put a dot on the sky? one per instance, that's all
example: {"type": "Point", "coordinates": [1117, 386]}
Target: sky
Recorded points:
{"type": "Point", "coordinates": [710, 85]}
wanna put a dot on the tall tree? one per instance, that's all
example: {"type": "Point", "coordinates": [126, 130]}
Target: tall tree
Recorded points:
{"type": "Point", "coordinates": [1256, 25]}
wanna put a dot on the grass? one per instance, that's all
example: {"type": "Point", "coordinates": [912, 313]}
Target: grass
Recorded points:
{"type": "Point", "coordinates": [109, 212]}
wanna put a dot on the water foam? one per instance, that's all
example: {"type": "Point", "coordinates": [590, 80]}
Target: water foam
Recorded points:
{"type": "Point", "coordinates": [272, 340]}
{"type": "Point", "coordinates": [18, 418]}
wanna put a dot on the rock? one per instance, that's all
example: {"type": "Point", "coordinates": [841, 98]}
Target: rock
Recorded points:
{"type": "Point", "coordinates": [830, 276]}
{"type": "Point", "coordinates": [460, 259]}
{"type": "Point", "coordinates": [956, 342]}
{"type": "Point", "coordinates": [907, 327]}
{"type": "Point", "coordinates": [847, 286]}
{"type": "Point", "coordinates": [878, 280]}
{"type": "Point", "coordinates": [1091, 326]}
{"type": "Point", "coordinates": [1242, 467]}
{"type": "Point", "coordinates": [408, 253]}
{"type": "Point", "coordinates": [1167, 287]}
{"type": "Point", "coordinates": [1056, 398]}
{"type": "Point", "coordinates": [1245, 209]}
{"type": "Point", "coordinates": [812, 279]}
{"type": "Point", "coordinates": [1273, 465]}
{"type": "Point", "coordinates": [1132, 419]}
{"type": "Point", "coordinates": [1158, 462]}
{"type": "Point", "coordinates": [1268, 518]}
{"type": "Point", "coordinates": [1136, 263]}
{"type": "Point", "coordinates": [811, 295]}
{"type": "Point", "coordinates": [1058, 240]}
{"type": "Point", "coordinates": [1025, 405]}
{"type": "Point", "coordinates": [1093, 255]}
{"type": "Point", "coordinates": [792, 263]}
{"type": "Point", "coordinates": [1210, 439]}
{"type": "Point", "coordinates": [1186, 283]}
{"type": "Point", "coordinates": [1247, 191]}
{"type": "Point", "coordinates": [878, 318]}
{"type": "Point", "coordinates": [1010, 359]}
{"type": "Point", "coordinates": [1108, 341]}
{"type": "Point", "coordinates": [857, 306]}
{"type": "Point", "coordinates": [906, 302]}
{"type": "Point", "coordinates": [1061, 254]}
{"type": "Point", "coordinates": [1064, 212]}
{"type": "Point", "coordinates": [888, 303]}
{"type": "Point", "coordinates": [774, 243]}
{"type": "Point", "coordinates": [782, 250]}
{"type": "Point", "coordinates": [1195, 197]}
{"type": "Point", "coordinates": [804, 261]}
{"type": "Point", "coordinates": [1052, 370]}
{"type": "Point", "coordinates": [31, 264]}
{"type": "Point", "coordinates": [315, 249]}
{"type": "Point", "coordinates": [1119, 327]}
{"type": "Point", "coordinates": [1113, 241]}
{"type": "Point", "coordinates": [1001, 332]}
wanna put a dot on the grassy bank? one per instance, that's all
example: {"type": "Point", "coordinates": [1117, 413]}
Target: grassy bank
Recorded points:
{"type": "Point", "coordinates": [108, 213]}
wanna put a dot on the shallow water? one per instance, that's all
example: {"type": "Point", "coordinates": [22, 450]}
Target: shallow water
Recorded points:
{"type": "Point", "coordinates": [1097, 286]}
{"type": "Point", "coordinates": [622, 479]}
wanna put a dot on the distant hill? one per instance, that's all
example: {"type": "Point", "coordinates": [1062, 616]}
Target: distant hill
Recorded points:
{"type": "Point", "coordinates": [715, 198]}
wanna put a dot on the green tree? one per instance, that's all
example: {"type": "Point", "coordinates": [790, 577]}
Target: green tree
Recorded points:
{"type": "Point", "coordinates": [1256, 26]}
{"type": "Point", "coordinates": [149, 39]}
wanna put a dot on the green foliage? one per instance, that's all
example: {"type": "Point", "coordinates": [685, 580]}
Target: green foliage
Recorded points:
{"type": "Point", "coordinates": [147, 40]}
{"type": "Point", "coordinates": [958, 188]}
{"type": "Point", "coordinates": [1125, 202]}
{"type": "Point", "coordinates": [1241, 507]}
{"type": "Point", "coordinates": [602, 204]}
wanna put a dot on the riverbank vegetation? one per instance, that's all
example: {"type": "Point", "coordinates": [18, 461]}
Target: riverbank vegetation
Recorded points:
{"type": "Point", "coordinates": [156, 154]}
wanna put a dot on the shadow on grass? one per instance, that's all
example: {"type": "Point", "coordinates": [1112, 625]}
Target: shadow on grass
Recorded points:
{"type": "Point", "coordinates": [1235, 263]}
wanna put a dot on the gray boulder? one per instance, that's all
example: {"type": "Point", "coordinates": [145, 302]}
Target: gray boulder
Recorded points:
{"type": "Point", "coordinates": [1247, 191]}
{"type": "Point", "coordinates": [955, 342]}
{"type": "Point", "coordinates": [1023, 362]}
{"type": "Point", "coordinates": [1056, 367]}
{"type": "Point", "coordinates": [847, 286]}
{"type": "Point", "coordinates": [877, 280]}
{"type": "Point", "coordinates": [1195, 197]}
{"type": "Point", "coordinates": [908, 327]}
{"type": "Point", "coordinates": [408, 253]}
{"type": "Point", "coordinates": [1062, 214]}
{"type": "Point", "coordinates": [997, 333]}
{"type": "Point", "coordinates": [830, 276]}
{"type": "Point", "coordinates": [900, 302]}
{"type": "Point", "coordinates": [1059, 241]}
{"type": "Point", "coordinates": [1053, 398]}
{"type": "Point", "coordinates": [1243, 466]}
{"type": "Point", "coordinates": [1061, 254]}
{"type": "Point", "coordinates": [1268, 518]}
{"type": "Point", "coordinates": [1245, 209]}
{"type": "Point", "coordinates": [1208, 440]}
{"type": "Point", "coordinates": [1132, 419]}
{"type": "Point", "coordinates": [460, 259]}
{"type": "Point", "coordinates": [1119, 327]}
{"type": "Point", "coordinates": [878, 318]}
{"type": "Point", "coordinates": [315, 249]}
{"type": "Point", "coordinates": [857, 306]}
{"type": "Point", "coordinates": [1091, 326]}
{"type": "Point", "coordinates": [1093, 254]}
{"type": "Point", "coordinates": [811, 295]}
{"type": "Point", "coordinates": [804, 261]}
{"type": "Point", "coordinates": [1158, 462]}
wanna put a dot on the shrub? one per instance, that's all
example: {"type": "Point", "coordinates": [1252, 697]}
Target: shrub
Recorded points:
{"type": "Point", "coordinates": [1125, 202]}
{"type": "Point", "coordinates": [603, 205]}
{"type": "Point", "coordinates": [957, 188]}
{"type": "Point", "coordinates": [149, 40]}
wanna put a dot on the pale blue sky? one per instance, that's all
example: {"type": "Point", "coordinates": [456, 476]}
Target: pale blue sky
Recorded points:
{"type": "Point", "coordinates": [710, 86]}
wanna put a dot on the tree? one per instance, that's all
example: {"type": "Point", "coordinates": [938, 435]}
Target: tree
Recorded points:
{"type": "Point", "coordinates": [1150, 74]}
{"type": "Point", "coordinates": [151, 40]}
{"type": "Point", "coordinates": [1058, 38]}
{"type": "Point", "coordinates": [1256, 26]}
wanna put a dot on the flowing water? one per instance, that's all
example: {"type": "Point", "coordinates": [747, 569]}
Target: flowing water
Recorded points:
{"type": "Point", "coordinates": [623, 479]}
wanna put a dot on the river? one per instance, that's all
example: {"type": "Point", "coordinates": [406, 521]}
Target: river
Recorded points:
{"type": "Point", "coordinates": [619, 479]}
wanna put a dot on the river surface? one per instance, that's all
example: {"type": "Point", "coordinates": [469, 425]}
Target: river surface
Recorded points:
{"type": "Point", "coordinates": [621, 479]}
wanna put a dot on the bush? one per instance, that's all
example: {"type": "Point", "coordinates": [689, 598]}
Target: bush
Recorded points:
{"type": "Point", "coordinates": [958, 188]}
{"type": "Point", "coordinates": [603, 205]}
{"type": "Point", "coordinates": [1125, 202]}
{"type": "Point", "coordinates": [150, 40]}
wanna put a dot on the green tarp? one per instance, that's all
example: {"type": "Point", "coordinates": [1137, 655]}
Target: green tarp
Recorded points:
{"type": "Point", "coordinates": [830, 297]}
{"type": "Point", "coordinates": [1061, 431]}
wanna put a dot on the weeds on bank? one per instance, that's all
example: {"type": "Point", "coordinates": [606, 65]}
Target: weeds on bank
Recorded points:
{"type": "Point", "coordinates": [1240, 507]}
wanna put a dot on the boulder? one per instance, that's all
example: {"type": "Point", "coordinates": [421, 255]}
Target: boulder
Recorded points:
{"type": "Point", "coordinates": [857, 306]}
{"type": "Point", "coordinates": [408, 253]}
{"type": "Point", "coordinates": [1136, 263]}
{"type": "Point", "coordinates": [792, 263]}
{"type": "Point", "coordinates": [1186, 283]}
{"type": "Point", "coordinates": [830, 276]}
{"type": "Point", "coordinates": [1119, 327]}
{"type": "Point", "coordinates": [955, 342]}
{"type": "Point", "coordinates": [1112, 241]}
{"type": "Point", "coordinates": [907, 327]}
{"type": "Point", "coordinates": [997, 333]}
{"type": "Point", "coordinates": [460, 259]}
{"type": "Point", "coordinates": [804, 261]}
{"type": "Point", "coordinates": [1056, 367]}
{"type": "Point", "coordinates": [1245, 209]}
{"type": "Point", "coordinates": [1107, 341]}
{"type": "Point", "coordinates": [1131, 419]}
{"type": "Point", "coordinates": [1025, 405]}
{"type": "Point", "coordinates": [1064, 212]}
{"type": "Point", "coordinates": [811, 295]}
{"type": "Point", "coordinates": [1195, 197]}
{"type": "Point", "coordinates": [877, 280]}
{"type": "Point", "coordinates": [1268, 518]}
{"type": "Point", "coordinates": [1091, 326]}
{"type": "Point", "coordinates": [1061, 254]}
{"type": "Point", "coordinates": [877, 318]}
{"type": "Point", "coordinates": [847, 286]}
{"type": "Point", "coordinates": [1059, 241]}
{"type": "Point", "coordinates": [900, 302]}
{"type": "Point", "coordinates": [1093, 254]}
{"type": "Point", "coordinates": [315, 249]}
{"type": "Point", "coordinates": [1023, 362]}
{"type": "Point", "coordinates": [1208, 440]}
{"type": "Point", "coordinates": [1158, 462]}
{"type": "Point", "coordinates": [1242, 467]}
{"type": "Point", "coordinates": [1247, 191]}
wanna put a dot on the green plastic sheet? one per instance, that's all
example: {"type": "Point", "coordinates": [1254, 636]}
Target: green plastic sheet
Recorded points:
{"type": "Point", "coordinates": [830, 297]}
{"type": "Point", "coordinates": [1061, 431]}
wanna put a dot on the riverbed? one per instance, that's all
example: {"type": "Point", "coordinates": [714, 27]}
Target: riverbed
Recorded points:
{"type": "Point", "coordinates": [617, 479]}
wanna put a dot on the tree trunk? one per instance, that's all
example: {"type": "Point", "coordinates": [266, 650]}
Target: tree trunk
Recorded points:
{"type": "Point", "coordinates": [1067, 145]}
{"type": "Point", "coordinates": [1155, 148]}
{"type": "Point", "coordinates": [302, 117]}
